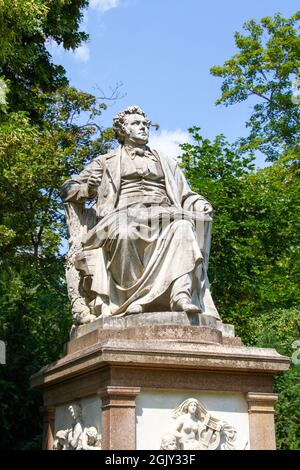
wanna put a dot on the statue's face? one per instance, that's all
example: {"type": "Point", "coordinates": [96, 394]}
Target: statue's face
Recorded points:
{"type": "Point", "coordinates": [92, 440]}
{"type": "Point", "coordinates": [171, 444]}
{"type": "Point", "coordinates": [137, 130]}
{"type": "Point", "coordinates": [192, 408]}
{"type": "Point", "coordinates": [74, 411]}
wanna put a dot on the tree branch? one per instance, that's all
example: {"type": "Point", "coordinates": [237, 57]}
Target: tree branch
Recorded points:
{"type": "Point", "coordinates": [91, 124]}
{"type": "Point", "coordinates": [115, 93]}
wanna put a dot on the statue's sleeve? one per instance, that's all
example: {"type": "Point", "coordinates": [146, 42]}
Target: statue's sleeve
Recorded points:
{"type": "Point", "coordinates": [76, 189]}
{"type": "Point", "coordinates": [187, 196]}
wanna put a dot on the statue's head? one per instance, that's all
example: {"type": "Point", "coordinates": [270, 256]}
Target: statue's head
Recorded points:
{"type": "Point", "coordinates": [61, 436]}
{"type": "Point", "coordinates": [131, 126]}
{"type": "Point", "coordinates": [75, 410]}
{"type": "Point", "coordinates": [191, 406]}
{"type": "Point", "coordinates": [169, 442]}
{"type": "Point", "coordinates": [92, 435]}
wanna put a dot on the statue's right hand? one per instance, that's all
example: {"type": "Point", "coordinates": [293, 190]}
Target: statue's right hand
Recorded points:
{"type": "Point", "coordinates": [92, 183]}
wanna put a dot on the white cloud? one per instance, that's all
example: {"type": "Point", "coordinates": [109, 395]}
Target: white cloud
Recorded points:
{"type": "Point", "coordinates": [82, 53]}
{"type": "Point", "coordinates": [168, 141]}
{"type": "Point", "coordinates": [57, 51]}
{"type": "Point", "coordinates": [104, 5]}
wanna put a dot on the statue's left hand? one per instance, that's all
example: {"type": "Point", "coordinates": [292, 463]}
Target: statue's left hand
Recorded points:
{"type": "Point", "coordinates": [203, 206]}
{"type": "Point", "coordinates": [208, 209]}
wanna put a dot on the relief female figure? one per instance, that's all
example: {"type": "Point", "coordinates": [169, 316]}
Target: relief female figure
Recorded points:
{"type": "Point", "coordinates": [188, 418]}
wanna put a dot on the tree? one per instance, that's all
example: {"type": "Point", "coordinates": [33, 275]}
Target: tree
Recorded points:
{"type": "Point", "coordinates": [216, 170]}
{"type": "Point", "coordinates": [264, 240]}
{"type": "Point", "coordinates": [267, 64]}
{"type": "Point", "coordinates": [25, 63]}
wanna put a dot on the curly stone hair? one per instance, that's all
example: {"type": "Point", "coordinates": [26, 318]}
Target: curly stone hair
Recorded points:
{"type": "Point", "coordinates": [120, 118]}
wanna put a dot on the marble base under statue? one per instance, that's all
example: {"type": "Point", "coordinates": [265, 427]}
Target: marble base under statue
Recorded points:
{"type": "Point", "coordinates": [132, 378]}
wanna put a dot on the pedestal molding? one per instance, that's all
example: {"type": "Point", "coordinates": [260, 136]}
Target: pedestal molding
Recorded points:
{"type": "Point", "coordinates": [199, 356]}
{"type": "Point", "coordinates": [48, 414]}
{"type": "Point", "coordinates": [114, 396]}
{"type": "Point", "coordinates": [261, 420]}
{"type": "Point", "coordinates": [118, 413]}
{"type": "Point", "coordinates": [261, 402]}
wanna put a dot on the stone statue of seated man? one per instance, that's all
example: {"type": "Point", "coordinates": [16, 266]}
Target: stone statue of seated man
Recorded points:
{"type": "Point", "coordinates": [143, 245]}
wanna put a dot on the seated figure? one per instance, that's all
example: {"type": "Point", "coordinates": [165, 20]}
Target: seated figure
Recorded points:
{"type": "Point", "coordinates": [143, 244]}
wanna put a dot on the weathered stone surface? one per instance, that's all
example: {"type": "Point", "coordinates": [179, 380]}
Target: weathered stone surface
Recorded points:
{"type": "Point", "coordinates": [169, 326]}
{"type": "Point", "coordinates": [195, 428]}
{"type": "Point", "coordinates": [154, 318]}
{"type": "Point", "coordinates": [74, 433]}
{"type": "Point", "coordinates": [119, 358]}
{"type": "Point", "coordinates": [200, 348]}
{"type": "Point", "coordinates": [151, 357]}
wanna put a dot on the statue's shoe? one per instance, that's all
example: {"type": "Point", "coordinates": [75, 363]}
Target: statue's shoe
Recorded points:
{"type": "Point", "coordinates": [185, 305]}
{"type": "Point", "coordinates": [135, 309]}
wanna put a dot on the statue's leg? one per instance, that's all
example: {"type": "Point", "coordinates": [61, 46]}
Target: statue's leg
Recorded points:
{"type": "Point", "coordinates": [181, 288]}
{"type": "Point", "coordinates": [143, 267]}
{"type": "Point", "coordinates": [126, 258]}
{"type": "Point", "coordinates": [181, 294]}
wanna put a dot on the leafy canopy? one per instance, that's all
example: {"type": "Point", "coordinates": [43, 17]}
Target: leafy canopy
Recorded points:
{"type": "Point", "coordinates": [264, 69]}
{"type": "Point", "coordinates": [25, 63]}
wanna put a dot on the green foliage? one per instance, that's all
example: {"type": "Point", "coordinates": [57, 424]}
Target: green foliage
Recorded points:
{"type": "Point", "coordinates": [25, 63]}
{"type": "Point", "coordinates": [255, 263]}
{"type": "Point", "coordinates": [34, 324]}
{"type": "Point", "coordinates": [267, 63]}
{"type": "Point", "coordinates": [35, 159]}
{"type": "Point", "coordinates": [49, 131]}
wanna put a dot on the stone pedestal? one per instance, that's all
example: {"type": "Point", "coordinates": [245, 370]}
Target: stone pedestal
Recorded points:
{"type": "Point", "coordinates": [261, 420]}
{"type": "Point", "coordinates": [129, 373]}
{"type": "Point", "coordinates": [118, 413]}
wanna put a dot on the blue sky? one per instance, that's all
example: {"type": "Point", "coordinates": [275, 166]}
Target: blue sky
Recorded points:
{"type": "Point", "coordinates": [162, 50]}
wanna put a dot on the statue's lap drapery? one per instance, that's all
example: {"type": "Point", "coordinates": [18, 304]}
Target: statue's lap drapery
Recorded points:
{"type": "Point", "coordinates": [146, 246]}
{"type": "Point", "coordinates": [141, 258]}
